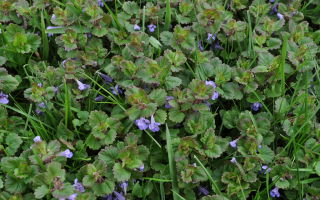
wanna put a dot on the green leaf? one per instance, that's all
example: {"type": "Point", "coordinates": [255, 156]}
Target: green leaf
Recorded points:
{"type": "Point", "coordinates": [166, 37]}
{"type": "Point", "coordinates": [110, 136]}
{"type": "Point", "coordinates": [172, 82]}
{"type": "Point", "coordinates": [120, 173]}
{"type": "Point", "coordinates": [161, 116]}
{"type": "Point", "coordinates": [266, 154]}
{"type": "Point", "coordinates": [41, 191]}
{"type": "Point", "coordinates": [282, 183]}
{"type": "Point", "coordinates": [109, 155]}
{"type": "Point", "coordinates": [155, 43]}
{"type": "Point", "coordinates": [3, 60]}
{"type": "Point", "coordinates": [104, 188]}
{"type": "Point", "coordinates": [282, 106]}
{"type": "Point", "coordinates": [54, 170]}
{"type": "Point", "coordinates": [13, 141]}
{"type": "Point", "coordinates": [137, 190]}
{"type": "Point", "coordinates": [8, 82]}
{"type": "Point", "coordinates": [131, 8]}
{"type": "Point", "coordinates": [230, 118]}
{"type": "Point", "coordinates": [158, 96]}
{"type": "Point", "coordinates": [317, 167]}
{"type": "Point", "coordinates": [64, 192]}
{"type": "Point", "coordinates": [15, 185]}
{"type": "Point", "coordinates": [232, 91]}
{"type": "Point", "coordinates": [274, 43]}
{"type": "Point", "coordinates": [176, 116]}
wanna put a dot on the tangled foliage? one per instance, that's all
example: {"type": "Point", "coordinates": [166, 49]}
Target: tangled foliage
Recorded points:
{"type": "Point", "coordinates": [167, 99]}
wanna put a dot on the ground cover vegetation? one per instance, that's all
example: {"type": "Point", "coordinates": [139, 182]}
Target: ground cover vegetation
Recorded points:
{"type": "Point", "coordinates": [159, 99]}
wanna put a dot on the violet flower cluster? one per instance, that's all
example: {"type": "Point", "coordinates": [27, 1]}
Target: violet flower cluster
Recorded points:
{"type": "Point", "coordinates": [144, 124]}
{"type": "Point", "coordinates": [4, 98]}
{"type": "Point", "coordinates": [215, 94]}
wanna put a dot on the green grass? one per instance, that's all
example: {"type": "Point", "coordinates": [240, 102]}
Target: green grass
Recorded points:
{"type": "Point", "coordinates": [172, 167]}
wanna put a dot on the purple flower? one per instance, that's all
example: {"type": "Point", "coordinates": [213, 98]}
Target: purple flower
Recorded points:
{"type": "Point", "coordinates": [42, 105]}
{"type": "Point", "coordinates": [141, 168]}
{"type": "Point", "coordinates": [275, 192]}
{"type": "Point", "coordinates": [99, 98]}
{"type": "Point", "coordinates": [152, 27]}
{"type": "Point", "coordinates": [119, 196]}
{"type": "Point", "coordinates": [52, 27]}
{"type": "Point", "coordinates": [37, 139]}
{"type": "Point", "coordinates": [168, 98]}
{"type": "Point", "coordinates": [108, 197]}
{"type": "Point", "coordinates": [260, 146]}
{"type": "Point", "coordinates": [265, 169]}
{"type": "Point", "coordinates": [63, 63]}
{"type": "Point", "coordinates": [217, 46]}
{"type": "Point", "coordinates": [116, 90]}
{"type": "Point", "coordinates": [211, 83]}
{"type": "Point", "coordinates": [200, 46]}
{"type": "Point", "coordinates": [280, 16]}
{"type": "Point", "coordinates": [73, 196]}
{"type": "Point", "coordinates": [274, 9]}
{"type": "Point", "coordinates": [233, 160]}
{"type": "Point", "coordinates": [82, 86]}
{"type": "Point", "coordinates": [142, 123]}
{"type": "Point", "coordinates": [203, 191]}
{"type": "Point", "coordinates": [256, 106]}
{"type": "Point", "coordinates": [53, 17]}
{"type": "Point", "coordinates": [124, 186]}
{"type": "Point", "coordinates": [67, 153]}
{"type": "Point", "coordinates": [271, 1]}
{"type": "Point", "coordinates": [4, 98]}
{"type": "Point", "coordinates": [78, 186]}
{"type": "Point", "coordinates": [106, 78]}
{"type": "Point", "coordinates": [38, 111]}
{"type": "Point", "coordinates": [154, 126]}
{"type": "Point", "coordinates": [39, 85]}
{"type": "Point", "coordinates": [56, 90]}
{"type": "Point", "coordinates": [100, 3]}
{"type": "Point", "coordinates": [215, 95]}
{"type": "Point", "coordinates": [136, 27]}
{"type": "Point", "coordinates": [233, 143]}
{"type": "Point", "coordinates": [211, 36]}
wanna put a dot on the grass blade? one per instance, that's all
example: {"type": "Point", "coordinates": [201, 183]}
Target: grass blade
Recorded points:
{"type": "Point", "coordinates": [66, 104]}
{"type": "Point", "coordinates": [155, 141]}
{"type": "Point", "coordinates": [172, 166]}
{"type": "Point", "coordinates": [282, 63]}
{"type": "Point", "coordinates": [215, 186]}
{"type": "Point", "coordinates": [45, 47]}
{"type": "Point", "coordinates": [168, 16]}
{"type": "Point", "coordinates": [178, 195]}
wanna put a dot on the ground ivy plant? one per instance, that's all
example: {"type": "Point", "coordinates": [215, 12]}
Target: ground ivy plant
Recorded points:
{"type": "Point", "coordinates": [168, 99]}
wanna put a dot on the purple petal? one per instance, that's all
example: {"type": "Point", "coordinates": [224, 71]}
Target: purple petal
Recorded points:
{"type": "Point", "coordinates": [4, 98]}
{"type": "Point", "coordinates": [203, 191]}
{"type": "Point", "coordinates": [67, 153]}
{"type": "Point", "coordinates": [275, 192]}
{"type": "Point", "coordinates": [233, 160]}
{"type": "Point", "coordinates": [233, 143]}
{"type": "Point", "coordinates": [37, 139]}
{"type": "Point", "coordinates": [78, 186]}
{"type": "Point", "coordinates": [154, 126]}
{"type": "Point", "coordinates": [136, 27]}
{"type": "Point", "coordinates": [152, 27]}
{"type": "Point", "coordinates": [142, 123]}
{"type": "Point", "coordinates": [119, 196]}
{"type": "Point", "coordinates": [82, 86]}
